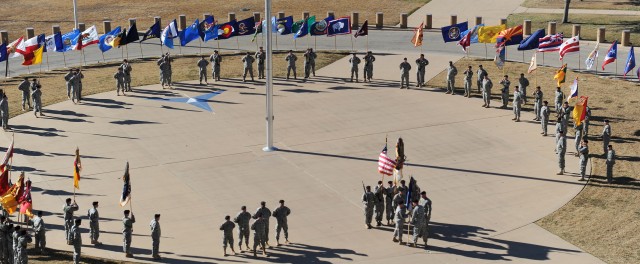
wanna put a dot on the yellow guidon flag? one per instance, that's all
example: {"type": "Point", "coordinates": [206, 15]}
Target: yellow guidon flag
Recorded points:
{"type": "Point", "coordinates": [10, 199]}
{"type": "Point", "coordinates": [77, 167]}
{"type": "Point", "coordinates": [561, 75]}
{"type": "Point", "coordinates": [580, 110]}
{"type": "Point", "coordinates": [417, 36]}
{"type": "Point", "coordinates": [489, 34]}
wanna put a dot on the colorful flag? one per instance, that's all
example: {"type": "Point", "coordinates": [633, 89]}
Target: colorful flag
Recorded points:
{"type": "Point", "coordinates": [211, 32]}
{"type": "Point", "coordinates": [53, 42]}
{"type": "Point", "coordinates": [106, 39]}
{"type": "Point", "coordinates": [32, 53]}
{"type": "Point", "coordinates": [612, 54]}
{"type": "Point", "coordinates": [489, 34]}
{"type": "Point", "coordinates": [245, 27]}
{"type": "Point", "coordinates": [169, 33]}
{"type": "Point", "coordinates": [303, 30]}
{"type": "Point", "coordinates": [284, 25]}
{"type": "Point", "coordinates": [132, 35]}
{"type": "Point", "coordinates": [533, 41]}
{"type": "Point", "coordinates": [385, 164]}
{"type": "Point", "coordinates": [573, 94]}
{"type": "Point", "coordinates": [10, 199]}
{"type": "Point", "coordinates": [153, 32]}
{"type": "Point", "coordinates": [295, 27]}
{"type": "Point", "coordinates": [34, 58]}
{"type": "Point", "coordinates": [561, 74]}
{"type": "Point", "coordinates": [417, 35]}
{"type": "Point", "coordinates": [26, 203]}
{"type": "Point", "coordinates": [126, 189]}
{"type": "Point", "coordinates": [258, 30]}
{"type": "Point", "coordinates": [571, 45]}
{"type": "Point", "coordinates": [226, 30]}
{"type": "Point", "coordinates": [500, 57]}
{"type": "Point", "coordinates": [4, 182]}
{"type": "Point", "coordinates": [410, 193]}
{"type": "Point", "coordinates": [591, 59]}
{"type": "Point", "coordinates": [117, 39]}
{"type": "Point", "coordinates": [7, 157]}
{"type": "Point", "coordinates": [320, 27]}
{"type": "Point", "coordinates": [28, 46]}
{"type": "Point", "coordinates": [453, 32]}
{"type": "Point", "coordinates": [631, 62]}
{"type": "Point", "coordinates": [509, 36]}
{"type": "Point", "coordinates": [89, 37]}
{"type": "Point", "coordinates": [3, 52]}
{"type": "Point", "coordinates": [340, 26]}
{"type": "Point", "coordinates": [189, 34]}
{"type": "Point", "coordinates": [70, 40]}
{"type": "Point", "coordinates": [579, 110]}
{"type": "Point", "coordinates": [534, 63]}
{"type": "Point", "coordinates": [77, 167]}
{"type": "Point", "coordinates": [13, 46]}
{"type": "Point", "coordinates": [469, 36]}
{"type": "Point", "coordinates": [206, 24]}
{"type": "Point", "coordinates": [550, 43]}
{"type": "Point", "coordinates": [363, 30]}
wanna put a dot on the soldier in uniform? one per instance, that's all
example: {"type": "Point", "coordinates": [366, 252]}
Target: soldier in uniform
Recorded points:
{"type": "Point", "coordinates": [202, 69]}
{"type": "Point", "coordinates": [24, 88]}
{"type": "Point", "coordinates": [119, 76]}
{"type": "Point", "coordinates": [399, 217]}
{"type": "Point", "coordinates": [517, 103]}
{"type": "Point", "coordinates": [559, 98]}
{"type": "Point", "coordinates": [39, 230]}
{"type": "Point", "coordinates": [354, 61]}
{"type": "Point", "coordinates": [215, 60]}
{"type": "Point", "coordinates": [313, 61]}
{"type": "Point", "coordinates": [291, 65]}
{"type": "Point", "coordinates": [127, 232]}
{"type": "Point", "coordinates": [487, 84]}
{"type": "Point", "coordinates": [36, 94]}
{"type": "Point", "coordinates": [389, 193]}
{"type": "Point", "coordinates": [4, 229]}
{"type": "Point", "coordinates": [261, 56]}
{"type": "Point", "coordinates": [259, 228]}
{"type": "Point", "coordinates": [584, 157]}
{"type": "Point", "coordinates": [15, 235]}
{"type": "Point", "coordinates": [379, 209]}
{"type": "Point", "coordinates": [523, 83]}
{"type": "Point", "coordinates": [452, 71]}
{"type": "Point", "coordinates": [4, 111]}
{"type": "Point", "coordinates": [242, 219]}
{"type": "Point", "coordinates": [578, 137]}
{"type": "Point", "coordinates": [169, 73]}
{"type": "Point", "coordinates": [227, 235]}
{"type": "Point", "coordinates": [561, 148]}
{"type": "Point", "coordinates": [68, 210]}
{"type": "Point", "coordinates": [606, 135]}
{"type": "Point", "coordinates": [405, 67]}
{"type": "Point", "coordinates": [558, 130]}
{"type": "Point", "coordinates": [544, 114]}
{"type": "Point", "coordinates": [94, 224]}
{"type": "Point", "coordinates": [281, 213]}
{"type": "Point", "coordinates": [21, 249]}
{"type": "Point", "coordinates": [309, 59]}
{"type": "Point", "coordinates": [247, 63]}
{"type": "Point", "coordinates": [67, 78]}
{"type": "Point", "coordinates": [78, 85]}
{"type": "Point", "coordinates": [565, 112]}
{"type": "Point", "coordinates": [164, 69]}
{"type": "Point", "coordinates": [585, 122]}
{"type": "Point", "coordinates": [265, 213]}
{"type": "Point", "coordinates": [368, 66]}
{"type": "Point", "coordinates": [126, 68]}
{"type": "Point", "coordinates": [480, 74]}
{"type": "Point", "coordinates": [369, 201]}
{"type": "Point", "coordinates": [418, 220]}
{"type": "Point", "coordinates": [421, 63]}
{"type": "Point", "coordinates": [611, 160]}
{"type": "Point", "coordinates": [156, 232]}
{"type": "Point", "coordinates": [468, 76]}
{"type": "Point", "coordinates": [504, 92]}
{"type": "Point", "coordinates": [76, 238]}
{"type": "Point", "coordinates": [428, 206]}
{"type": "Point", "coordinates": [537, 95]}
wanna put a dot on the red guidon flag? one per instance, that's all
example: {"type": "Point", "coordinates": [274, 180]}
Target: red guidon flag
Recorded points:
{"type": "Point", "coordinates": [385, 164]}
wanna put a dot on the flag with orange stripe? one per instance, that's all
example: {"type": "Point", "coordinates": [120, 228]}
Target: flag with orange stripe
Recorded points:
{"type": "Point", "coordinates": [77, 167]}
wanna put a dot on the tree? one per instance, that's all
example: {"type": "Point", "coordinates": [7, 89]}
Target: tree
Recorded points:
{"type": "Point", "coordinates": [565, 18]}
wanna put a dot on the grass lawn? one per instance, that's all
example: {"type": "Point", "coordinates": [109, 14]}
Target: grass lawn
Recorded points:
{"type": "Point", "coordinates": [585, 4]}
{"type": "Point", "coordinates": [90, 12]}
{"type": "Point", "coordinates": [589, 24]}
{"type": "Point", "coordinates": [604, 218]}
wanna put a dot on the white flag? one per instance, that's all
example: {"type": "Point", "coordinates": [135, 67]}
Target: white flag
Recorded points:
{"type": "Point", "coordinates": [593, 56]}
{"type": "Point", "coordinates": [534, 63]}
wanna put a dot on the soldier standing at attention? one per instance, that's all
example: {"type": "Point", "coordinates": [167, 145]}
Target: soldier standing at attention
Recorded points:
{"type": "Point", "coordinates": [379, 209]}
{"type": "Point", "coordinates": [558, 130]}
{"type": "Point", "coordinates": [388, 192]}
{"type": "Point", "coordinates": [4, 229]}
{"type": "Point", "coordinates": [309, 58]}
{"type": "Point", "coordinates": [24, 88]}
{"type": "Point", "coordinates": [611, 160]}
{"type": "Point", "coordinates": [537, 95]}
{"type": "Point", "coordinates": [126, 68]}
{"type": "Point", "coordinates": [94, 224]}
{"type": "Point", "coordinates": [399, 217]}
{"type": "Point", "coordinates": [480, 77]}
{"type": "Point", "coordinates": [119, 76]}
{"type": "Point", "coordinates": [261, 56]}
{"type": "Point", "coordinates": [67, 79]}
{"type": "Point", "coordinates": [242, 219]}
{"type": "Point", "coordinates": [405, 67]}
{"type": "Point", "coordinates": [78, 85]}
{"type": "Point", "coordinates": [468, 76]}
{"type": "Point", "coordinates": [452, 71]}
{"type": "Point", "coordinates": [215, 59]}
{"type": "Point", "coordinates": [565, 111]}
{"type": "Point", "coordinates": [428, 206]}
{"type": "Point", "coordinates": [422, 67]}
{"type": "Point", "coordinates": [164, 73]}
{"type": "Point", "coordinates": [37, 223]}
{"type": "Point", "coordinates": [606, 135]}
{"type": "Point", "coordinates": [584, 157]}
{"type": "Point", "coordinates": [544, 114]}
{"type": "Point", "coordinates": [259, 228]}
{"type": "Point", "coordinates": [76, 238]}
{"type": "Point", "coordinates": [169, 72]}
{"type": "Point", "coordinates": [578, 137]}
{"type": "Point", "coordinates": [368, 66]}
{"type": "Point", "coordinates": [127, 232]}
{"type": "Point", "coordinates": [36, 94]}
{"type": "Point", "coordinates": [313, 61]}
{"type": "Point", "coordinates": [291, 65]}
{"type": "Point", "coordinates": [155, 237]}
{"type": "Point", "coordinates": [354, 61]}
{"type": "Point", "coordinates": [585, 123]}
{"type": "Point", "coordinates": [517, 103]}
{"type": "Point", "coordinates": [265, 213]}
{"type": "Point", "coordinates": [418, 220]}
{"type": "Point", "coordinates": [21, 250]}
{"type": "Point", "coordinates": [281, 213]}
{"type": "Point", "coordinates": [487, 84]}
{"type": "Point", "coordinates": [504, 92]}
{"type": "Point", "coordinates": [202, 69]}
{"type": "Point", "coordinates": [561, 149]}
{"type": "Point", "coordinates": [247, 63]}
{"type": "Point", "coordinates": [227, 235]}
{"type": "Point", "coordinates": [4, 111]}
{"type": "Point", "coordinates": [369, 201]}
{"type": "Point", "coordinates": [523, 83]}
{"type": "Point", "coordinates": [559, 98]}
{"type": "Point", "coordinates": [68, 210]}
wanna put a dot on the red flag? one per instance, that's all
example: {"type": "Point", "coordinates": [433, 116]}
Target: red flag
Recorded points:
{"type": "Point", "coordinates": [4, 182]}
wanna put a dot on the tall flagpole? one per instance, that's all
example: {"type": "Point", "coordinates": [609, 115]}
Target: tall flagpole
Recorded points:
{"type": "Point", "coordinates": [141, 54]}
{"type": "Point", "coordinates": [269, 82]}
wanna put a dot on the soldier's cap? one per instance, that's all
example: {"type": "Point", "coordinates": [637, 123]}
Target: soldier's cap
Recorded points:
{"type": "Point", "coordinates": [586, 141]}
{"type": "Point", "coordinates": [402, 181]}
{"type": "Point", "coordinates": [67, 200]}
{"type": "Point", "coordinates": [480, 65]}
{"type": "Point", "coordinates": [17, 227]}
{"type": "Point", "coordinates": [126, 212]}
{"type": "Point", "coordinates": [281, 201]}
{"type": "Point", "coordinates": [34, 79]}
{"type": "Point", "coordinates": [546, 102]}
{"type": "Point", "coordinates": [606, 120]}
{"type": "Point", "coordinates": [538, 87]}
{"type": "Point", "coordinates": [95, 203]}
{"type": "Point", "coordinates": [522, 74]}
{"type": "Point", "coordinates": [415, 201]}
{"type": "Point", "coordinates": [263, 203]}
{"type": "Point", "coordinates": [78, 221]}
{"type": "Point", "coordinates": [506, 76]}
{"type": "Point", "coordinates": [560, 131]}
{"type": "Point", "coordinates": [26, 78]}
{"type": "Point", "coordinates": [157, 215]}
{"type": "Point", "coordinates": [379, 182]}
{"type": "Point", "coordinates": [424, 193]}
{"type": "Point", "coordinates": [39, 213]}
{"type": "Point", "coordinates": [390, 182]}
{"type": "Point", "coordinates": [405, 58]}
{"type": "Point", "coordinates": [243, 207]}
{"type": "Point", "coordinates": [610, 146]}
{"type": "Point", "coordinates": [23, 232]}
{"type": "Point", "coordinates": [226, 217]}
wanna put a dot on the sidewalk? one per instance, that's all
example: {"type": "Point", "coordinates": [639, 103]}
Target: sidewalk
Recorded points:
{"type": "Point", "coordinates": [523, 9]}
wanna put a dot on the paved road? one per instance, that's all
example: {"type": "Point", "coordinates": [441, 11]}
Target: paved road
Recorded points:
{"type": "Point", "coordinates": [522, 9]}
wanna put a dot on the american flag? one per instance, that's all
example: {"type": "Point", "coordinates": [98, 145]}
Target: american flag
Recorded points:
{"type": "Point", "coordinates": [385, 164]}
{"type": "Point", "coordinates": [550, 43]}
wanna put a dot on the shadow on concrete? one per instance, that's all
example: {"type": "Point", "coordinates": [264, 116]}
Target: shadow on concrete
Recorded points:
{"type": "Point", "coordinates": [43, 132]}
{"type": "Point", "coordinates": [133, 122]}
{"type": "Point", "coordinates": [299, 90]}
{"type": "Point", "coordinates": [302, 253]}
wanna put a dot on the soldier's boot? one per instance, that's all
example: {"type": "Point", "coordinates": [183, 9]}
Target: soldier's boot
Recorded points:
{"type": "Point", "coordinates": [129, 255]}
{"type": "Point", "coordinates": [157, 257]}
{"type": "Point", "coordinates": [269, 246]}
{"type": "Point", "coordinates": [277, 242]}
{"type": "Point", "coordinates": [264, 253]}
{"type": "Point", "coordinates": [240, 247]}
{"type": "Point", "coordinates": [224, 251]}
{"type": "Point", "coordinates": [233, 252]}
{"type": "Point", "coordinates": [561, 172]}
{"type": "Point", "coordinates": [286, 241]}
{"type": "Point", "coordinates": [395, 239]}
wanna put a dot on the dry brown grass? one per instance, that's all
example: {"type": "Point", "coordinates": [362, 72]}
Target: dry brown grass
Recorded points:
{"type": "Point", "coordinates": [99, 78]}
{"type": "Point", "coordinates": [586, 4]}
{"type": "Point", "coordinates": [16, 17]}
{"type": "Point", "coordinates": [603, 218]}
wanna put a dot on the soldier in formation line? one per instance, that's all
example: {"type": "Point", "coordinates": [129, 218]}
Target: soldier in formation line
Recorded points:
{"type": "Point", "coordinates": [368, 66]}
{"type": "Point", "coordinates": [354, 61]}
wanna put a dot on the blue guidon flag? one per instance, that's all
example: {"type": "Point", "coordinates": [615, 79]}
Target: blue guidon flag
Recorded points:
{"type": "Point", "coordinates": [340, 26]}
{"type": "Point", "coordinates": [454, 32]}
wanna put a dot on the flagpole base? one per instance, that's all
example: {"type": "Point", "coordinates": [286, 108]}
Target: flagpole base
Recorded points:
{"type": "Point", "coordinates": [269, 149]}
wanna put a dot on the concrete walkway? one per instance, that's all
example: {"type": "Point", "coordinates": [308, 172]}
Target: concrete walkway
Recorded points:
{"type": "Point", "coordinates": [523, 9]}
{"type": "Point", "coordinates": [467, 10]}
{"type": "Point", "coordinates": [490, 178]}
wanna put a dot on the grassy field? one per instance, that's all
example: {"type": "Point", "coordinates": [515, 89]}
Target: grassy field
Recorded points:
{"type": "Point", "coordinates": [603, 218]}
{"type": "Point", "coordinates": [586, 4]}
{"type": "Point", "coordinates": [14, 20]}
{"type": "Point", "coordinates": [589, 24]}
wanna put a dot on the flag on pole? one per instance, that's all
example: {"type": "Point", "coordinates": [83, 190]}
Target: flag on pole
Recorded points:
{"type": "Point", "coordinates": [500, 57]}
{"type": "Point", "coordinates": [489, 34]}
{"type": "Point", "coordinates": [169, 33]}
{"type": "Point", "coordinates": [320, 27]}
{"type": "Point", "coordinates": [245, 26]}
{"type": "Point", "coordinates": [7, 157]}
{"type": "Point", "coordinates": [340, 26]}
{"type": "Point", "coordinates": [410, 193]}
{"type": "Point", "coordinates": [469, 36]}
{"type": "Point", "coordinates": [4, 182]}
{"type": "Point", "coordinates": [550, 43]}
{"type": "Point", "coordinates": [226, 30]}
{"type": "Point", "coordinates": [126, 189]}
{"type": "Point", "coordinates": [418, 35]}
{"type": "Point", "coordinates": [303, 30]}
{"type": "Point", "coordinates": [10, 199]}
{"type": "Point", "coordinates": [36, 57]}
{"type": "Point", "coordinates": [89, 37]}
{"type": "Point", "coordinates": [534, 63]}
{"type": "Point", "coordinates": [561, 74]}
{"type": "Point", "coordinates": [27, 47]}
{"type": "Point", "coordinates": [573, 94]}
{"type": "Point", "coordinates": [591, 59]}
{"type": "Point", "coordinates": [132, 35]}
{"type": "Point", "coordinates": [363, 30]}
{"type": "Point", "coordinates": [118, 39]}
{"type": "Point", "coordinates": [453, 32]}
{"type": "Point", "coordinates": [509, 36]}
{"type": "Point", "coordinates": [26, 203]}
{"type": "Point", "coordinates": [579, 110]}
{"type": "Point", "coordinates": [13, 46]}
{"type": "Point", "coordinates": [53, 42]}
{"type": "Point", "coordinates": [533, 41]}
{"type": "Point", "coordinates": [77, 167]}
{"type": "Point", "coordinates": [189, 34]}
{"type": "Point", "coordinates": [205, 25]}
{"type": "Point", "coordinates": [258, 30]}
{"type": "Point", "coordinates": [571, 45]}
{"type": "Point", "coordinates": [3, 52]}
{"type": "Point", "coordinates": [106, 39]}
{"type": "Point", "coordinates": [631, 62]}
{"type": "Point", "coordinates": [284, 25]}
{"type": "Point", "coordinates": [153, 32]}
{"type": "Point", "coordinates": [385, 164]}
{"type": "Point", "coordinates": [612, 54]}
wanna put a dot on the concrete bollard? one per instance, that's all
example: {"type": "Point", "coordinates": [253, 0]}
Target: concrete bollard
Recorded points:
{"type": "Point", "coordinates": [526, 27]}
{"type": "Point", "coordinates": [453, 19]}
{"type": "Point", "coordinates": [478, 20]}
{"type": "Point", "coordinates": [56, 28]}
{"type": "Point", "coordinates": [429, 21]}
{"type": "Point", "coordinates": [82, 27]}
{"type": "Point", "coordinates": [231, 17]}
{"type": "Point", "coordinates": [503, 21]}
{"type": "Point", "coordinates": [158, 20]}
{"type": "Point", "coordinates": [132, 21]}
{"type": "Point", "coordinates": [280, 15]}
{"type": "Point", "coordinates": [575, 30]}
{"type": "Point", "coordinates": [626, 38]}
{"type": "Point", "coordinates": [4, 37]}
{"type": "Point", "coordinates": [379, 20]}
{"type": "Point", "coordinates": [182, 22]}
{"type": "Point", "coordinates": [106, 26]}
{"type": "Point", "coordinates": [551, 28]}
{"type": "Point", "coordinates": [601, 35]}
{"type": "Point", "coordinates": [305, 15]}
{"type": "Point", "coordinates": [354, 20]}
{"type": "Point", "coordinates": [30, 33]}
{"type": "Point", "coordinates": [403, 20]}
{"type": "Point", "coordinates": [331, 14]}
{"type": "Point", "coordinates": [256, 16]}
